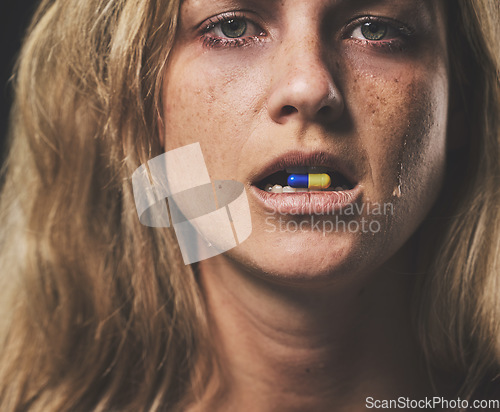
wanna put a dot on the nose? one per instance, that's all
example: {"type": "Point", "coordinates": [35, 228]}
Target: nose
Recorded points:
{"type": "Point", "coordinates": [303, 88]}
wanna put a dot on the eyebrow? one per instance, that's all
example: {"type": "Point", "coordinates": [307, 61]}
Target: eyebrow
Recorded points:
{"type": "Point", "coordinates": [334, 2]}
{"type": "Point", "coordinates": [427, 8]}
{"type": "Point", "coordinates": [424, 5]}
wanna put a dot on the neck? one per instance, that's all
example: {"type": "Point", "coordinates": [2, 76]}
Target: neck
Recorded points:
{"type": "Point", "coordinates": [303, 348]}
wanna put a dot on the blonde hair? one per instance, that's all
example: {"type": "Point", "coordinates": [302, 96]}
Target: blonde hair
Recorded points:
{"type": "Point", "coordinates": [97, 311]}
{"type": "Point", "coordinates": [458, 301]}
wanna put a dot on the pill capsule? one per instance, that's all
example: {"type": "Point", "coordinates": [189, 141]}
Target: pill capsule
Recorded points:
{"type": "Point", "coordinates": [310, 181]}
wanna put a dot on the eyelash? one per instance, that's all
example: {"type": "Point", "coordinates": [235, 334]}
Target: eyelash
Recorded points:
{"type": "Point", "coordinates": [397, 44]}
{"type": "Point", "coordinates": [402, 32]}
{"type": "Point", "coordinates": [211, 41]}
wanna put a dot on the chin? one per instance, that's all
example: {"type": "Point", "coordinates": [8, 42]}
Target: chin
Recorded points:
{"type": "Point", "coordinates": [299, 257]}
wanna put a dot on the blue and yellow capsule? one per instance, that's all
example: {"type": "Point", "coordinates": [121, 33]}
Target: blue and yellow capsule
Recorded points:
{"type": "Point", "coordinates": [310, 181]}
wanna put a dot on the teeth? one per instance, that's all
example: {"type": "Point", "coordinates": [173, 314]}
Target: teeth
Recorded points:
{"type": "Point", "coordinates": [288, 189]}
{"type": "Point", "coordinates": [304, 170]}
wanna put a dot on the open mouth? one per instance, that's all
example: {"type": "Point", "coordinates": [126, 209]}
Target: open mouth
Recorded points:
{"type": "Point", "coordinates": [299, 179]}
{"type": "Point", "coordinates": [301, 183]}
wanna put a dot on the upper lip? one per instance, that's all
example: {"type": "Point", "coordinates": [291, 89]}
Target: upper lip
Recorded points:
{"type": "Point", "coordinates": [299, 158]}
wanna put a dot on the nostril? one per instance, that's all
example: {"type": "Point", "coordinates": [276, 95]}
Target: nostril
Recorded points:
{"type": "Point", "coordinates": [325, 112]}
{"type": "Point", "coordinates": [288, 110]}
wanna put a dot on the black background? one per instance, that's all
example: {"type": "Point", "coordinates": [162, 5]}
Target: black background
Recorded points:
{"type": "Point", "coordinates": [15, 16]}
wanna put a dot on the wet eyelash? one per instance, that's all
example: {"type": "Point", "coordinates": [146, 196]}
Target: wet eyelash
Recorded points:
{"type": "Point", "coordinates": [209, 41]}
{"type": "Point", "coordinates": [214, 42]}
{"type": "Point", "coordinates": [221, 18]}
{"type": "Point", "coordinates": [398, 44]}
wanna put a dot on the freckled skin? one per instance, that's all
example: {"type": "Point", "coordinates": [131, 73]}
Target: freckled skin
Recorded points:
{"type": "Point", "coordinates": [391, 123]}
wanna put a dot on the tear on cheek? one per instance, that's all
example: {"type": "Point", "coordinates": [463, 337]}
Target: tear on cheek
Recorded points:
{"type": "Point", "coordinates": [422, 156]}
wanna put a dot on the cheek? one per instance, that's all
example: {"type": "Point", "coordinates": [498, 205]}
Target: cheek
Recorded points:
{"type": "Point", "coordinates": [213, 106]}
{"type": "Point", "coordinates": [200, 96]}
{"type": "Point", "coordinates": [400, 120]}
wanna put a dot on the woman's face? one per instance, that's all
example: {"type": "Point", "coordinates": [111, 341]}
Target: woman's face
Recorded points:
{"type": "Point", "coordinates": [357, 89]}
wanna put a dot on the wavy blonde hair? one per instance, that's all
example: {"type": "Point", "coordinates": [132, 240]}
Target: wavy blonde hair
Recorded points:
{"type": "Point", "coordinates": [458, 301]}
{"type": "Point", "coordinates": [97, 311]}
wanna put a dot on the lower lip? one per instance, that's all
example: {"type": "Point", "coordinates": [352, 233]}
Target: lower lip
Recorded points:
{"type": "Point", "coordinates": [307, 203]}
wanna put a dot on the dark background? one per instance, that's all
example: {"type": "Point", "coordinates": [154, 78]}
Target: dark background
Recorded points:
{"type": "Point", "coordinates": [14, 19]}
